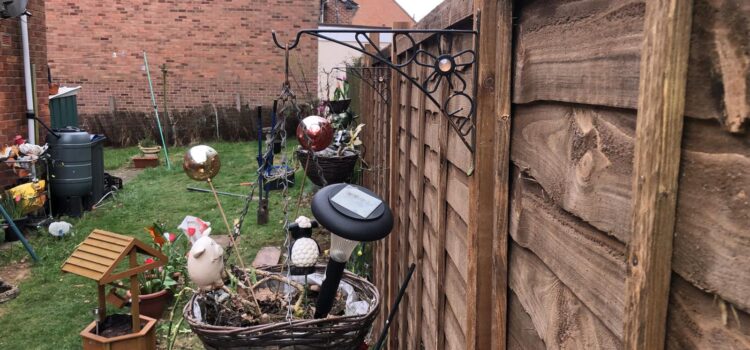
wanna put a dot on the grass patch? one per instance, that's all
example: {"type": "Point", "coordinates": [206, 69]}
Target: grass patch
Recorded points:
{"type": "Point", "coordinates": [53, 308]}
{"type": "Point", "coordinates": [118, 157]}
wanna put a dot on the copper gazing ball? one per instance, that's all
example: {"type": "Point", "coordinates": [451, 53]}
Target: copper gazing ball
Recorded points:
{"type": "Point", "coordinates": [315, 133]}
{"type": "Point", "coordinates": [201, 163]}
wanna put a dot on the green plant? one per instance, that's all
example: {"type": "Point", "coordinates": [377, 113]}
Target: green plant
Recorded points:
{"type": "Point", "coordinates": [342, 91]}
{"type": "Point", "coordinates": [165, 277]}
{"type": "Point", "coordinates": [12, 205]}
{"type": "Point", "coordinates": [147, 142]}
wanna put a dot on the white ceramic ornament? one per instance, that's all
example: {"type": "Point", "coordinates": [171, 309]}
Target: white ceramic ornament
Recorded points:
{"type": "Point", "coordinates": [205, 264]}
{"type": "Point", "coordinates": [305, 252]}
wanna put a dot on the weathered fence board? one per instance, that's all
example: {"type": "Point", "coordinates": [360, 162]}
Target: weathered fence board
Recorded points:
{"type": "Point", "coordinates": [521, 332]}
{"type": "Point", "coordinates": [558, 315]}
{"type": "Point", "coordinates": [582, 156]}
{"type": "Point", "coordinates": [574, 93]}
{"type": "Point", "coordinates": [603, 68]}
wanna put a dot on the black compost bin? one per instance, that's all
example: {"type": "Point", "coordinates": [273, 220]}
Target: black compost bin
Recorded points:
{"type": "Point", "coordinates": [77, 170]}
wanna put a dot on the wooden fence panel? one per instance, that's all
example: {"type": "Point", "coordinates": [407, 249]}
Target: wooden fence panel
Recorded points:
{"type": "Point", "coordinates": [575, 92]}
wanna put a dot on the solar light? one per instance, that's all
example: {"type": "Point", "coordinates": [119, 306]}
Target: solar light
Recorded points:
{"type": "Point", "coordinates": [353, 214]}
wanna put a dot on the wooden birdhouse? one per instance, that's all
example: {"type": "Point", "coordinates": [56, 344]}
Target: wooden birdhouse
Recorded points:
{"type": "Point", "coordinates": [101, 257]}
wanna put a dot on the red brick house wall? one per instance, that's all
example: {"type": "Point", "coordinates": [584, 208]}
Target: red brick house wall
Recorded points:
{"type": "Point", "coordinates": [12, 89]}
{"type": "Point", "coordinates": [336, 12]}
{"type": "Point", "coordinates": [214, 51]}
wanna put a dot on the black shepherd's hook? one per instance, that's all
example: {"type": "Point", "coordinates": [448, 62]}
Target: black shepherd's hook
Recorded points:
{"type": "Point", "coordinates": [286, 46]}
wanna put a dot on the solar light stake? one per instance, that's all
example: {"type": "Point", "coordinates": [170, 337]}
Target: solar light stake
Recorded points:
{"type": "Point", "coordinates": [394, 308]}
{"type": "Point", "coordinates": [341, 250]}
{"type": "Point", "coordinates": [353, 214]}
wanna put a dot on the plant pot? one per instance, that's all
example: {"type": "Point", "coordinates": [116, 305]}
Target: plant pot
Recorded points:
{"type": "Point", "coordinates": [339, 106]}
{"type": "Point", "coordinates": [150, 150]}
{"type": "Point", "coordinates": [154, 304]}
{"type": "Point", "coordinates": [333, 169]}
{"type": "Point", "coordinates": [54, 88]}
{"type": "Point", "coordinates": [20, 223]}
{"type": "Point", "coordinates": [145, 339]}
{"type": "Point", "coordinates": [147, 161]}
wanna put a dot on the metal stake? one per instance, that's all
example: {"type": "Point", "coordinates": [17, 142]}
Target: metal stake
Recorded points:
{"type": "Point", "coordinates": [156, 110]}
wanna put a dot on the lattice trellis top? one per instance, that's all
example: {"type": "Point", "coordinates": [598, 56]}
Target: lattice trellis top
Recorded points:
{"type": "Point", "coordinates": [101, 252]}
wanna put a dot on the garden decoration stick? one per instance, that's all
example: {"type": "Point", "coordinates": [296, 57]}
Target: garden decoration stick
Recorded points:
{"type": "Point", "coordinates": [231, 238]}
{"type": "Point", "coordinates": [18, 234]}
{"type": "Point", "coordinates": [156, 110]}
{"type": "Point", "coordinates": [394, 308]}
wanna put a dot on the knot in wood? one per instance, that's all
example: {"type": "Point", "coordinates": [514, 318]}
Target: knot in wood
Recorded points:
{"type": "Point", "coordinates": [489, 83]}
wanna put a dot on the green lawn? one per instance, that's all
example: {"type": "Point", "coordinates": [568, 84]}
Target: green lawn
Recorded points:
{"type": "Point", "coordinates": [53, 308]}
{"type": "Point", "coordinates": [118, 157]}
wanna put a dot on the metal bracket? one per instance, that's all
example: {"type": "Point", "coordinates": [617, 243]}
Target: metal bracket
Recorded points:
{"type": "Point", "coordinates": [377, 78]}
{"type": "Point", "coordinates": [447, 67]}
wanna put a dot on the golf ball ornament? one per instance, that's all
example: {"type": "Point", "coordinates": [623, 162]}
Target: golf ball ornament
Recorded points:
{"type": "Point", "coordinates": [315, 133]}
{"type": "Point", "coordinates": [305, 252]}
{"type": "Point", "coordinates": [201, 163]}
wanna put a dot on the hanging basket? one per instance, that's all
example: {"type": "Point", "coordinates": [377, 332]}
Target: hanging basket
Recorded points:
{"type": "Point", "coordinates": [337, 332]}
{"type": "Point", "coordinates": [339, 106]}
{"type": "Point", "coordinates": [335, 169]}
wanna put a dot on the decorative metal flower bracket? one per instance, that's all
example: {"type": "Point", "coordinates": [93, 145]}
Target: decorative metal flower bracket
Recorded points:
{"type": "Point", "coordinates": [446, 66]}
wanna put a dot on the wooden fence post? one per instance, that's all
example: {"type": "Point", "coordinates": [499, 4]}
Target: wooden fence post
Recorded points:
{"type": "Point", "coordinates": [482, 186]}
{"type": "Point", "coordinates": [504, 57]}
{"type": "Point", "coordinates": [392, 252]}
{"type": "Point", "coordinates": [661, 104]}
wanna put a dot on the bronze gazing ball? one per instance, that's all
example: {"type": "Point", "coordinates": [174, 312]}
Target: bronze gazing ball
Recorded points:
{"type": "Point", "coordinates": [201, 163]}
{"type": "Point", "coordinates": [315, 133]}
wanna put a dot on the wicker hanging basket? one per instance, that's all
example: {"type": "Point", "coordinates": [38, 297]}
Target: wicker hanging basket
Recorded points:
{"type": "Point", "coordinates": [338, 332]}
{"type": "Point", "coordinates": [335, 169]}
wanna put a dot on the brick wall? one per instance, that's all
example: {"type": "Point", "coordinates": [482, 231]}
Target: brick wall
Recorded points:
{"type": "Point", "coordinates": [336, 12]}
{"type": "Point", "coordinates": [214, 51]}
{"type": "Point", "coordinates": [12, 89]}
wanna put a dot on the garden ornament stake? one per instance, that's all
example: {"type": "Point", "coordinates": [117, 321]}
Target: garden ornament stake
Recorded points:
{"type": "Point", "coordinates": [202, 163]}
{"type": "Point", "coordinates": [448, 68]}
{"type": "Point", "coordinates": [353, 214]}
{"type": "Point", "coordinates": [156, 110]}
{"type": "Point", "coordinates": [394, 308]}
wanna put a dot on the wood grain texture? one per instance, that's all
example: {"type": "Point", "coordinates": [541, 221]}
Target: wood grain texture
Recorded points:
{"type": "Point", "coordinates": [481, 222]}
{"type": "Point", "coordinates": [695, 317]}
{"type": "Point", "coordinates": [582, 157]}
{"type": "Point", "coordinates": [656, 166]}
{"type": "Point", "coordinates": [588, 262]}
{"type": "Point", "coordinates": [559, 317]}
{"type": "Point", "coordinates": [588, 52]}
{"type": "Point", "coordinates": [501, 198]}
{"type": "Point", "coordinates": [521, 332]}
{"type": "Point", "coordinates": [696, 321]}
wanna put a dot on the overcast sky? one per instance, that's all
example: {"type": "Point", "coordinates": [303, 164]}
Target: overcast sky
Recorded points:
{"type": "Point", "coordinates": [418, 8]}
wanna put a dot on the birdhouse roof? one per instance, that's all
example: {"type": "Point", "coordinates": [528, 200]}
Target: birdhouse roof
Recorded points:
{"type": "Point", "coordinates": [100, 253]}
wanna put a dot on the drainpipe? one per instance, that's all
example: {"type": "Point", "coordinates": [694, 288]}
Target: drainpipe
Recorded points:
{"type": "Point", "coordinates": [27, 78]}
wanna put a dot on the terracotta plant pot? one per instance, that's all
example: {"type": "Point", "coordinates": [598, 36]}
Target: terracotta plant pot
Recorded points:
{"type": "Point", "coordinates": [150, 150]}
{"type": "Point", "coordinates": [54, 88]}
{"type": "Point", "coordinates": [143, 340]}
{"type": "Point", "coordinates": [154, 304]}
{"type": "Point", "coordinates": [147, 161]}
